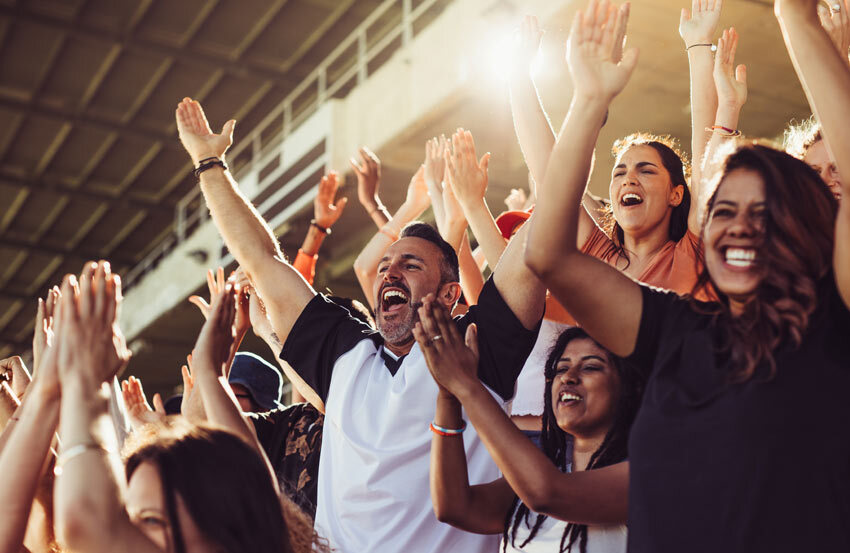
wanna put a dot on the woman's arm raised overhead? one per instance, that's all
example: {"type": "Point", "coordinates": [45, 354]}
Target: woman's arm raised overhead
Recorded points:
{"type": "Point", "coordinates": [826, 80]}
{"type": "Point", "coordinates": [697, 29]}
{"type": "Point", "coordinates": [599, 296]}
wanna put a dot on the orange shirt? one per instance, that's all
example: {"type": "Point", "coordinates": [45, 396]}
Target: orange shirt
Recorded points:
{"type": "Point", "coordinates": [675, 267]}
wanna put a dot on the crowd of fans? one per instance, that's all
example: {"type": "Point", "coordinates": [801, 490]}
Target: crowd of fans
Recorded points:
{"type": "Point", "coordinates": [662, 371]}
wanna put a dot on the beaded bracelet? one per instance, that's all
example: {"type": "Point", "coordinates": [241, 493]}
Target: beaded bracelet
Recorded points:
{"type": "Point", "coordinates": [729, 132]}
{"type": "Point", "coordinates": [448, 431]}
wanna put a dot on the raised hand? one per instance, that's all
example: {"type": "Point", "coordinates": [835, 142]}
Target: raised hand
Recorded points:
{"type": "Point", "coordinates": [191, 405]}
{"type": "Point", "coordinates": [591, 51]}
{"type": "Point", "coordinates": [417, 191]}
{"type": "Point", "coordinates": [836, 22]}
{"type": "Point", "coordinates": [195, 133]}
{"type": "Point", "coordinates": [731, 81]}
{"type": "Point", "coordinates": [90, 346]}
{"type": "Point", "coordinates": [368, 172]}
{"type": "Point", "coordinates": [452, 361]}
{"type": "Point", "coordinates": [516, 199]}
{"type": "Point", "coordinates": [43, 335]}
{"type": "Point", "coordinates": [212, 349]}
{"type": "Point", "coordinates": [435, 163]}
{"type": "Point", "coordinates": [216, 284]}
{"type": "Point", "coordinates": [325, 211]}
{"type": "Point", "coordinates": [15, 373]}
{"type": "Point", "coordinates": [699, 25]}
{"type": "Point", "coordinates": [139, 410]}
{"type": "Point", "coordinates": [467, 174]}
{"type": "Point", "coordinates": [529, 37]}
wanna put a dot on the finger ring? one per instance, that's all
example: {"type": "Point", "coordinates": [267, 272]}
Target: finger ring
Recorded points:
{"type": "Point", "coordinates": [437, 337]}
{"type": "Point", "coordinates": [836, 7]}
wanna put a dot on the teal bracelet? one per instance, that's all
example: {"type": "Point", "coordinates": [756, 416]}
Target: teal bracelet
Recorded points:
{"type": "Point", "coordinates": [448, 431]}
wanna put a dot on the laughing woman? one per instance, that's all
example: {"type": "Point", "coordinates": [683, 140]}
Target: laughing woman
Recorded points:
{"type": "Point", "coordinates": [590, 405]}
{"type": "Point", "coordinates": [731, 383]}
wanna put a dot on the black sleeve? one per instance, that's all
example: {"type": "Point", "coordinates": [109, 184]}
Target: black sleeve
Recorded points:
{"type": "Point", "coordinates": [323, 332]}
{"type": "Point", "coordinates": [656, 309]}
{"type": "Point", "coordinates": [503, 343]}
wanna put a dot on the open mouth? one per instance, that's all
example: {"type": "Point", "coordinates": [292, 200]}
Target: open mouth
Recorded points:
{"type": "Point", "coordinates": [568, 398]}
{"type": "Point", "coordinates": [630, 199]}
{"type": "Point", "coordinates": [740, 257]}
{"type": "Point", "coordinates": [392, 299]}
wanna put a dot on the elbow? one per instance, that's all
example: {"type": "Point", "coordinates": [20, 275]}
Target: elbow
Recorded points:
{"type": "Point", "coordinates": [447, 514]}
{"type": "Point", "coordinates": [539, 500]}
{"type": "Point", "coordinates": [539, 262]}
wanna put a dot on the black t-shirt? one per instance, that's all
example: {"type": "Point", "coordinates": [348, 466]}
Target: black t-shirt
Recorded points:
{"type": "Point", "coordinates": [759, 466]}
{"type": "Point", "coordinates": [292, 439]}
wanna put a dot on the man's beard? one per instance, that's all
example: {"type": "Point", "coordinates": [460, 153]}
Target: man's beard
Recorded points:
{"type": "Point", "coordinates": [399, 331]}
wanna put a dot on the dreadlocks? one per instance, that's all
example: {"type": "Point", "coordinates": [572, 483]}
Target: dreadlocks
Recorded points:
{"type": "Point", "coordinates": [556, 442]}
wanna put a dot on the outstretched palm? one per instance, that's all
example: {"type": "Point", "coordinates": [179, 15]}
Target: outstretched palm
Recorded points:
{"type": "Point", "coordinates": [591, 52]}
{"type": "Point", "coordinates": [195, 133]}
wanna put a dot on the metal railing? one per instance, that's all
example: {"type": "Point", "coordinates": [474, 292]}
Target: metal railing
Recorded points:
{"type": "Point", "coordinates": [190, 211]}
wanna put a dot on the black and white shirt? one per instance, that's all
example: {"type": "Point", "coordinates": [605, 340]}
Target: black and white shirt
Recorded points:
{"type": "Point", "coordinates": [373, 492]}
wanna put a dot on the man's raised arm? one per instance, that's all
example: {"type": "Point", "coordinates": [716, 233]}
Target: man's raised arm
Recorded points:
{"type": "Point", "coordinates": [244, 231]}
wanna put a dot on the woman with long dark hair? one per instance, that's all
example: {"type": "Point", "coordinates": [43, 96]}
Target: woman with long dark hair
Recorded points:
{"type": "Point", "coordinates": [189, 490]}
{"type": "Point", "coordinates": [590, 400]}
{"type": "Point", "coordinates": [741, 443]}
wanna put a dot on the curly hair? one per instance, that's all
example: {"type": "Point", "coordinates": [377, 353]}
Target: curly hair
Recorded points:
{"type": "Point", "coordinates": [226, 488]}
{"type": "Point", "coordinates": [676, 165]}
{"type": "Point", "coordinates": [614, 447]}
{"type": "Point", "coordinates": [799, 137]}
{"type": "Point", "coordinates": [795, 252]}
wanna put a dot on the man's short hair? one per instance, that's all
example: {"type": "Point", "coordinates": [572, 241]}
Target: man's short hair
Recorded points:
{"type": "Point", "coordinates": [449, 271]}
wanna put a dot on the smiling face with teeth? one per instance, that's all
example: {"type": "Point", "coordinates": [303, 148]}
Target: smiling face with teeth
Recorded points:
{"type": "Point", "coordinates": [409, 270]}
{"type": "Point", "coordinates": [585, 390]}
{"type": "Point", "coordinates": [733, 234]}
{"type": "Point", "coordinates": [642, 193]}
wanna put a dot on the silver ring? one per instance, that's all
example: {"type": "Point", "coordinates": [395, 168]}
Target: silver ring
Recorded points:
{"type": "Point", "coordinates": [435, 338]}
{"type": "Point", "coordinates": [836, 7]}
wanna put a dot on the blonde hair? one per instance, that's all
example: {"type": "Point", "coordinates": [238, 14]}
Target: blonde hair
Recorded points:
{"type": "Point", "coordinates": [799, 137]}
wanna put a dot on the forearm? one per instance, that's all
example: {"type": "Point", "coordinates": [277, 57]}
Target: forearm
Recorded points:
{"type": "Point", "coordinates": [22, 463]}
{"type": "Point", "coordinates": [533, 129]}
{"type": "Point", "coordinates": [244, 231]}
{"type": "Point", "coordinates": [471, 279]}
{"type": "Point", "coordinates": [223, 410]}
{"type": "Point", "coordinates": [588, 497]}
{"type": "Point", "coordinates": [377, 212]}
{"type": "Point", "coordinates": [554, 229]}
{"type": "Point", "coordinates": [449, 478]}
{"type": "Point", "coordinates": [313, 241]}
{"type": "Point", "coordinates": [87, 503]}
{"type": "Point", "coordinates": [486, 232]}
{"type": "Point", "coordinates": [825, 78]}
{"type": "Point", "coordinates": [703, 108]}
{"type": "Point", "coordinates": [728, 115]}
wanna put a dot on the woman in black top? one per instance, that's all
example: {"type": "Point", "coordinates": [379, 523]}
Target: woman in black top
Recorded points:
{"type": "Point", "coordinates": [742, 442]}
